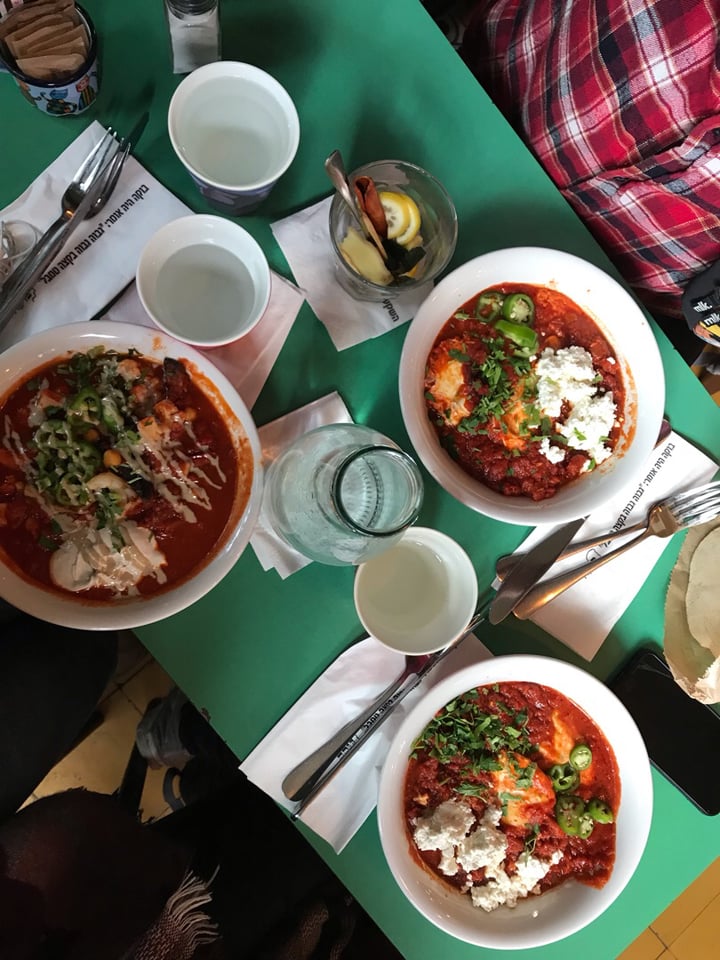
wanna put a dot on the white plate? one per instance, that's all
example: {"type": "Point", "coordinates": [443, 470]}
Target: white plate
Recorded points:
{"type": "Point", "coordinates": [619, 318]}
{"type": "Point", "coordinates": [565, 909]}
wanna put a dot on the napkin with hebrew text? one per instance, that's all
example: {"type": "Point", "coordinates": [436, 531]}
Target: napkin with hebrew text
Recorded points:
{"type": "Point", "coordinates": [305, 240]}
{"type": "Point", "coordinates": [100, 256]}
{"type": "Point", "coordinates": [270, 549]}
{"type": "Point", "coordinates": [584, 615]}
{"type": "Point", "coordinates": [342, 692]}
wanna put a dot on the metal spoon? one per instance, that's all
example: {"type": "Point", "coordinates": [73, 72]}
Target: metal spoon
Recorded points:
{"type": "Point", "coordinates": [335, 169]}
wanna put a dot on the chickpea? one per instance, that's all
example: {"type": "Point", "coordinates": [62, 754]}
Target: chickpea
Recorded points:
{"type": "Point", "coordinates": [112, 458]}
{"type": "Point", "coordinates": [92, 435]}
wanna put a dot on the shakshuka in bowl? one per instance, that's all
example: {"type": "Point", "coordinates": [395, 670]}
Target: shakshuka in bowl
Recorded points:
{"type": "Point", "coordinates": [531, 386]}
{"type": "Point", "coordinates": [515, 802]}
{"type": "Point", "coordinates": [130, 477]}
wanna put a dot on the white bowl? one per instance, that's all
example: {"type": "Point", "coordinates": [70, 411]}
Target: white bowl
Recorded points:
{"type": "Point", "coordinates": [563, 910]}
{"type": "Point", "coordinates": [619, 318]}
{"type": "Point", "coordinates": [70, 610]}
{"type": "Point", "coordinates": [418, 596]}
{"type": "Point", "coordinates": [204, 280]}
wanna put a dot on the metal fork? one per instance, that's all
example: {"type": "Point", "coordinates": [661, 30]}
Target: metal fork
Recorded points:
{"type": "Point", "coordinates": [663, 520]}
{"type": "Point", "coordinates": [80, 195]}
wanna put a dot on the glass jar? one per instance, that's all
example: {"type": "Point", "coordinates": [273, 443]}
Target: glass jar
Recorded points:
{"type": "Point", "coordinates": [342, 493]}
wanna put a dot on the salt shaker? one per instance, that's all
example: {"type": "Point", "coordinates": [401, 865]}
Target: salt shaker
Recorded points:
{"type": "Point", "coordinates": [194, 27]}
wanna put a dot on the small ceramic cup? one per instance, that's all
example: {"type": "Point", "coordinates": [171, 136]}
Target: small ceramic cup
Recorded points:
{"type": "Point", "coordinates": [236, 131]}
{"type": "Point", "coordinates": [203, 280]}
{"type": "Point", "coordinates": [68, 97]}
{"type": "Point", "coordinates": [418, 596]}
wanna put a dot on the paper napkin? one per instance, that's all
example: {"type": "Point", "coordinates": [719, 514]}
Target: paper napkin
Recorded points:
{"type": "Point", "coordinates": [248, 361]}
{"type": "Point", "coordinates": [269, 548]}
{"type": "Point", "coordinates": [349, 685]}
{"type": "Point", "coordinates": [583, 616]}
{"type": "Point", "coordinates": [305, 240]}
{"type": "Point", "coordinates": [101, 254]}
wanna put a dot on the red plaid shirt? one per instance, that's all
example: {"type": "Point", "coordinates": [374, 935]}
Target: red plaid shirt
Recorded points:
{"type": "Point", "coordinates": [620, 101]}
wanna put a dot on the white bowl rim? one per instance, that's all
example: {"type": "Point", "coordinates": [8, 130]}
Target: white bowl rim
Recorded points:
{"type": "Point", "coordinates": [68, 611]}
{"type": "Point", "coordinates": [584, 283]}
{"type": "Point", "coordinates": [528, 927]}
{"type": "Point", "coordinates": [191, 229]}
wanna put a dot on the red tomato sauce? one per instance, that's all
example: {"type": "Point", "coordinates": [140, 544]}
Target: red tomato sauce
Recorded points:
{"type": "Point", "coordinates": [554, 724]}
{"type": "Point", "coordinates": [493, 452]}
{"type": "Point", "coordinates": [27, 534]}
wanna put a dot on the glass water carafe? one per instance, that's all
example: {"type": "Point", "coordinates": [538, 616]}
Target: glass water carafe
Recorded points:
{"type": "Point", "coordinates": [342, 493]}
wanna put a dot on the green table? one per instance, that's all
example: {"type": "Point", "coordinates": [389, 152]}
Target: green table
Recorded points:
{"type": "Point", "coordinates": [375, 79]}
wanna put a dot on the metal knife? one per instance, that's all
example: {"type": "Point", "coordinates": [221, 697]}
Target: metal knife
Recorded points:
{"type": "Point", "coordinates": [530, 568]}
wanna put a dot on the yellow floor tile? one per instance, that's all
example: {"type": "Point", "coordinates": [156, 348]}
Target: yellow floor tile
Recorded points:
{"type": "Point", "coordinates": [150, 682]}
{"type": "Point", "coordinates": [646, 947]}
{"type": "Point", "coordinates": [98, 763]}
{"type": "Point", "coordinates": [689, 905]}
{"type": "Point", "coordinates": [699, 941]}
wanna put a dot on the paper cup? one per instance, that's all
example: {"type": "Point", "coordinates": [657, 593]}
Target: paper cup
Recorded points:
{"type": "Point", "coordinates": [236, 131]}
{"type": "Point", "coordinates": [418, 596]}
{"type": "Point", "coordinates": [204, 280]}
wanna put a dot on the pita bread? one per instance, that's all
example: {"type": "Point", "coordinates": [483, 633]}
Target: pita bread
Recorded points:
{"type": "Point", "coordinates": [702, 603]}
{"type": "Point", "coordinates": [693, 666]}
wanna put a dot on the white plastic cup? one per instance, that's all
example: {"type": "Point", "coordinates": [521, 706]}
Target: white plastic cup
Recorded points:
{"type": "Point", "coordinates": [418, 596]}
{"type": "Point", "coordinates": [236, 131]}
{"type": "Point", "coordinates": [204, 280]}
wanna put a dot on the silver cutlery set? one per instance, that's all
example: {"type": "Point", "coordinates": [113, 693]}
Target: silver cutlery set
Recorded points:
{"type": "Point", "coordinates": [84, 197]}
{"type": "Point", "coordinates": [519, 575]}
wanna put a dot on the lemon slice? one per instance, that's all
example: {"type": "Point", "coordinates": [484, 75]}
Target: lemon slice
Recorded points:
{"type": "Point", "coordinates": [397, 212]}
{"type": "Point", "coordinates": [411, 231]}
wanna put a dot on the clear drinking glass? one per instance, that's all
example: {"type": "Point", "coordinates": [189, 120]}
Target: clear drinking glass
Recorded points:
{"type": "Point", "coordinates": [438, 227]}
{"type": "Point", "coordinates": [342, 493]}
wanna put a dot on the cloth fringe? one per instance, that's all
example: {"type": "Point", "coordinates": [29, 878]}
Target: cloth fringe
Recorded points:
{"type": "Point", "coordinates": [182, 927]}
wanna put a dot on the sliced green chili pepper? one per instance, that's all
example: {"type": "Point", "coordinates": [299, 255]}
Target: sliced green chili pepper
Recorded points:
{"type": "Point", "coordinates": [600, 811]}
{"type": "Point", "coordinates": [86, 406]}
{"type": "Point", "coordinates": [519, 308]}
{"type": "Point", "coordinates": [568, 811]}
{"type": "Point", "coordinates": [524, 337]}
{"type": "Point", "coordinates": [563, 777]}
{"type": "Point", "coordinates": [581, 756]}
{"type": "Point", "coordinates": [585, 826]}
{"type": "Point", "coordinates": [489, 305]}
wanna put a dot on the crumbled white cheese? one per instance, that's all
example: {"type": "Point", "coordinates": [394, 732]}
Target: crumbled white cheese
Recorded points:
{"type": "Point", "coordinates": [448, 828]}
{"type": "Point", "coordinates": [550, 451]}
{"type": "Point", "coordinates": [568, 375]}
{"type": "Point", "coordinates": [486, 846]}
{"type": "Point", "coordinates": [589, 424]}
{"type": "Point", "coordinates": [565, 374]}
{"type": "Point", "coordinates": [502, 890]}
{"type": "Point", "coordinates": [443, 829]}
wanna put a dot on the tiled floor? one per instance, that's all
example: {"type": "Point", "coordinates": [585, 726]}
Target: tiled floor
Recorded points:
{"type": "Point", "coordinates": [687, 930]}
{"type": "Point", "coordinates": [98, 763]}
